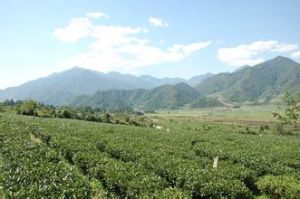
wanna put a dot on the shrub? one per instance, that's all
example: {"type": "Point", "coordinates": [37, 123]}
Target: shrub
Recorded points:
{"type": "Point", "coordinates": [280, 186]}
{"type": "Point", "coordinates": [29, 107]}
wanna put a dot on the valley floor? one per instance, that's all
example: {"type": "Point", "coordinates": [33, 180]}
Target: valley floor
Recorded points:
{"type": "Point", "coordinates": [254, 115]}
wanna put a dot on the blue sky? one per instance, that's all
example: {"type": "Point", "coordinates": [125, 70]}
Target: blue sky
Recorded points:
{"type": "Point", "coordinates": [160, 38]}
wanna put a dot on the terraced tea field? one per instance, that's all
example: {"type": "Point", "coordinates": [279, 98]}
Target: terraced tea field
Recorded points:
{"type": "Point", "coordinates": [58, 158]}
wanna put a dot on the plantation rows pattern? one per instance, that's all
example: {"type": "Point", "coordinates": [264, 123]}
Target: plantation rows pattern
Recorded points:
{"type": "Point", "coordinates": [77, 159]}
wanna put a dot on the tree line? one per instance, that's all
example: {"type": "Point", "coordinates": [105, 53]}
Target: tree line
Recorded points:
{"type": "Point", "coordinates": [37, 109]}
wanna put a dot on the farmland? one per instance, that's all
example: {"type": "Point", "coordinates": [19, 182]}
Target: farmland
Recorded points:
{"type": "Point", "coordinates": [63, 158]}
{"type": "Point", "coordinates": [245, 115]}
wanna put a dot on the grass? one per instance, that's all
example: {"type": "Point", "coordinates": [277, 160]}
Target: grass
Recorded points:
{"type": "Point", "coordinates": [245, 115]}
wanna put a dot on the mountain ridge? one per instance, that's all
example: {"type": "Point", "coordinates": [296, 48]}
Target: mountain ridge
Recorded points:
{"type": "Point", "coordinates": [260, 82]}
{"type": "Point", "coordinates": [61, 88]}
{"type": "Point", "coordinates": [163, 97]}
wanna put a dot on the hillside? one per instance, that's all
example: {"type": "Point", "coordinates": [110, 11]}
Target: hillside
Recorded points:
{"type": "Point", "coordinates": [162, 97]}
{"type": "Point", "coordinates": [194, 81]}
{"type": "Point", "coordinates": [62, 88]}
{"type": "Point", "coordinates": [108, 100]}
{"type": "Point", "coordinates": [144, 81]}
{"type": "Point", "coordinates": [261, 82]}
{"type": "Point", "coordinates": [169, 97]}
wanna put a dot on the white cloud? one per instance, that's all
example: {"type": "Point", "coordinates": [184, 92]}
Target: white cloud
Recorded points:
{"type": "Point", "coordinates": [158, 22]}
{"type": "Point", "coordinates": [296, 55]}
{"type": "Point", "coordinates": [97, 15]}
{"type": "Point", "coordinates": [283, 47]}
{"type": "Point", "coordinates": [251, 54]}
{"type": "Point", "coordinates": [120, 48]}
{"type": "Point", "coordinates": [77, 28]}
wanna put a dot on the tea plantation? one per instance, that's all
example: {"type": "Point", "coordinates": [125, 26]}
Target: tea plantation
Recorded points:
{"type": "Point", "coordinates": [61, 158]}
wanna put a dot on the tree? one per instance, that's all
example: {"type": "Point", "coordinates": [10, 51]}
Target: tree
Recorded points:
{"type": "Point", "coordinates": [290, 114]}
{"type": "Point", "coordinates": [107, 117]}
{"type": "Point", "coordinates": [2, 106]}
{"type": "Point", "coordinates": [29, 107]}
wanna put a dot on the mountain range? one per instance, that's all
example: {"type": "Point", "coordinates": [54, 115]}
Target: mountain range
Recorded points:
{"type": "Point", "coordinates": [258, 83]}
{"type": "Point", "coordinates": [82, 87]}
{"type": "Point", "coordinates": [163, 97]}
{"type": "Point", "coordinates": [62, 88]}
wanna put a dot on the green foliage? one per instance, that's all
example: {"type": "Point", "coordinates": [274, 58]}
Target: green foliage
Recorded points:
{"type": "Point", "coordinates": [63, 113]}
{"type": "Point", "coordinates": [173, 193]}
{"type": "Point", "coordinates": [290, 115]}
{"type": "Point", "coordinates": [132, 162]}
{"type": "Point", "coordinates": [33, 108]}
{"type": "Point", "coordinates": [29, 108]}
{"type": "Point", "coordinates": [280, 186]}
{"type": "Point", "coordinates": [107, 117]}
{"type": "Point", "coordinates": [29, 170]}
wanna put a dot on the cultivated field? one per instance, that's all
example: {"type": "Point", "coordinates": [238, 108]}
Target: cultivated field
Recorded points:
{"type": "Point", "coordinates": [258, 113]}
{"type": "Point", "coordinates": [61, 158]}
